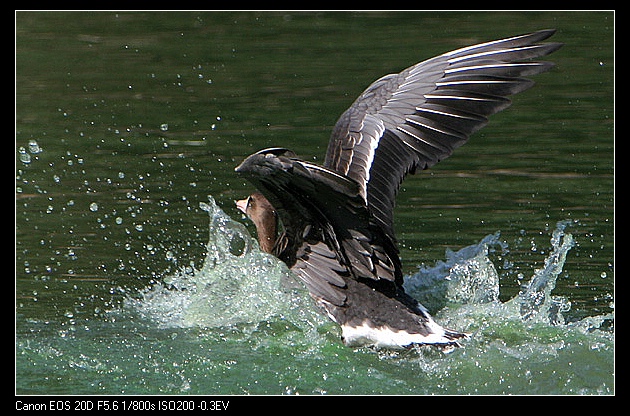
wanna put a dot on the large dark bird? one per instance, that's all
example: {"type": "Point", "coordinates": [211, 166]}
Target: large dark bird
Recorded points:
{"type": "Point", "coordinates": [333, 224]}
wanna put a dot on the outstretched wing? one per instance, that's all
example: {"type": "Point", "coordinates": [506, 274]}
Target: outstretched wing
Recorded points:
{"type": "Point", "coordinates": [414, 119]}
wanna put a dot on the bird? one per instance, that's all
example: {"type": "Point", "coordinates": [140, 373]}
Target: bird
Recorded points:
{"type": "Point", "coordinates": [332, 224]}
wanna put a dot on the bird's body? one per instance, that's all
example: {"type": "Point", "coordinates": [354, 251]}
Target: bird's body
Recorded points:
{"type": "Point", "coordinates": [337, 219]}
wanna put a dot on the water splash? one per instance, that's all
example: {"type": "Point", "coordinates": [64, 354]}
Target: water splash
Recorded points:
{"type": "Point", "coordinates": [234, 326]}
{"type": "Point", "coordinates": [536, 299]}
{"type": "Point", "coordinates": [237, 285]}
{"type": "Point", "coordinates": [522, 346]}
{"type": "Point", "coordinates": [466, 277]}
{"type": "Point", "coordinates": [469, 280]}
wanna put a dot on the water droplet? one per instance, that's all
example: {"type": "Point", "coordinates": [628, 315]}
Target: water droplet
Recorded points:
{"type": "Point", "coordinates": [164, 127]}
{"type": "Point", "coordinates": [93, 207]}
{"type": "Point", "coordinates": [24, 157]}
{"type": "Point", "coordinates": [33, 147]}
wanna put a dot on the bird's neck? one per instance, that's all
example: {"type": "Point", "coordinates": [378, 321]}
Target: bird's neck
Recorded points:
{"type": "Point", "coordinates": [267, 230]}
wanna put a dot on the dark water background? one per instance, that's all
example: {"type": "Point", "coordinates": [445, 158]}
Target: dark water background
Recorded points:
{"type": "Point", "coordinates": [126, 121]}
